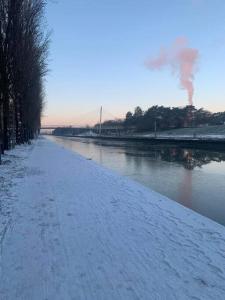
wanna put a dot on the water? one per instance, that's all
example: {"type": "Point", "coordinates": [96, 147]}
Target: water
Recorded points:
{"type": "Point", "coordinates": [195, 178]}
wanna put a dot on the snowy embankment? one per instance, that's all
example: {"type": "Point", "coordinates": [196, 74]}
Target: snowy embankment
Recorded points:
{"type": "Point", "coordinates": [209, 138]}
{"type": "Point", "coordinates": [70, 229]}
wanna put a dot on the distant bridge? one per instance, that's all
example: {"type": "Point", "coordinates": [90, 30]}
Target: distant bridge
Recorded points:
{"type": "Point", "coordinates": [115, 130]}
{"type": "Point", "coordinates": [97, 116]}
{"type": "Point", "coordinates": [107, 118]}
{"type": "Point", "coordinates": [57, 126]}
{"type": "Point", "coordinates": [82, 127]}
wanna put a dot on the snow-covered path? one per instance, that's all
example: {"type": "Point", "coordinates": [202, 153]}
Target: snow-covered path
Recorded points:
{"type": "Point", "coordinates": [71, 229]}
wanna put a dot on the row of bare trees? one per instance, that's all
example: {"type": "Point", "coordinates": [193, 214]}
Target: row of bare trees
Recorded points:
{"type": "Point", "coordinates": [23, 66]}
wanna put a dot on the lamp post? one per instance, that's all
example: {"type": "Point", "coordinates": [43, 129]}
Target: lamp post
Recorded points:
{"type": "Point", "coordinates": [155, 125]}
{"type": "Point", "coordinates": [100, 122]}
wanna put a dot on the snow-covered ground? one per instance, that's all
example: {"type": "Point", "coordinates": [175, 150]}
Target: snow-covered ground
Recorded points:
{"type": "Point", "coordinates": [186, 136]}
{"type": "Point", "coordinates": [70, 229]}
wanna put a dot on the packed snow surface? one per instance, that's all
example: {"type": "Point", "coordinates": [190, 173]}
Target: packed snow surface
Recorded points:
{"type": "Point", "coordinates": [70, 229]}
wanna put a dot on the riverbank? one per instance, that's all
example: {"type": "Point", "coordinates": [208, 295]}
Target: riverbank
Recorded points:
{"type": "Point", "coordinates": [202, 142]}
{"type": "Point", "coordinates": [74, 230]}
{"type": "Point", "coordinates": [207, 137]}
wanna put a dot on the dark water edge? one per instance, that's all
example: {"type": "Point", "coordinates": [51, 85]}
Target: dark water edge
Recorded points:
{"type": "Point", "coordinates": [193, 177]}
{"type": "Point", "coordinates": [207, 143]}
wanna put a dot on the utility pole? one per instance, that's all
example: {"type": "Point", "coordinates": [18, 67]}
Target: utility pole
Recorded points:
{"type": "Point", "coordinates": [155, 124]}
{"type": "Point", "coordinates": [100, 123]}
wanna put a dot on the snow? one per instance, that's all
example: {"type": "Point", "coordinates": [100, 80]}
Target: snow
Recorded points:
{"type": "Point", "coordinates": [88, 133]}
{"type": "Point", "coordinates": [71, 229]}
{"type": "Point", "coordinates": [186, 136]}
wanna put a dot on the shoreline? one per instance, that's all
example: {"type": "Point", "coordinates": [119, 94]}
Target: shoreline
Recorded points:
{"type": "Point", "coordinates": [204, 143]}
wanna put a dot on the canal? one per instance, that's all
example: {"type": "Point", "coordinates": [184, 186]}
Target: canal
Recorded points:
{"type": "Point", "coordinates": [193, 177]}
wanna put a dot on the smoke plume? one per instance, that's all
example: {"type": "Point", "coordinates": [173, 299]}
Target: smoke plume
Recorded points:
{"type": "Point", "coordinates": [182, 60]}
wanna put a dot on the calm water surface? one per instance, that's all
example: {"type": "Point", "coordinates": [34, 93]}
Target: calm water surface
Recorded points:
{"type": "Point", "coordinates": [194, 178]}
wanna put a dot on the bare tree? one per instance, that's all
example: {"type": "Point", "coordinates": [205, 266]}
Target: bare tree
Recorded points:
{"type": "Point", "coordinates": [23, 66]}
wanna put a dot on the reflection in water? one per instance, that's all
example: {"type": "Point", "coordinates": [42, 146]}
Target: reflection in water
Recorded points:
{"type": "Point", "coordinates": [186, 186]}
{"type": "Point", "coordinates": [185, 189]}
{"type": "Point", "coordinates": [189, 158]}
{"type": "Point", "coordinates": [193, 177]}
{"type": "Point", "coordinates": [100, 156]}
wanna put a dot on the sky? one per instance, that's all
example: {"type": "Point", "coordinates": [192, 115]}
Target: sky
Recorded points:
{"type": "Point", "coordinates": [99, 50]}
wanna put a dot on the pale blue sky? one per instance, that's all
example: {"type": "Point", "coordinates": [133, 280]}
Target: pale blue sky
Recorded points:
{"type": "Point", "coordinates": [99, 48]}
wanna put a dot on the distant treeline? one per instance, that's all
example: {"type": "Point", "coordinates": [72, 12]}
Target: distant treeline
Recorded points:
{"type": "Point", "coordinates": [165, 118]}
{"type": "Point", "coordinates": [23, 54]}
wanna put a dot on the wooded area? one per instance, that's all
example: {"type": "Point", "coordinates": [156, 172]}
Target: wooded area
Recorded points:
{"type": "Point", "coordinates": [172, 117]}
{"type": "Point", "coordinates": [23, 66]}
{"type": "Point", "coordinates": [167, 118]}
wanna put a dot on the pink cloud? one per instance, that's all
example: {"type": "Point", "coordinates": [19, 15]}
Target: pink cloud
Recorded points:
{"type": "Point", "coordinates": [182, 59]}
